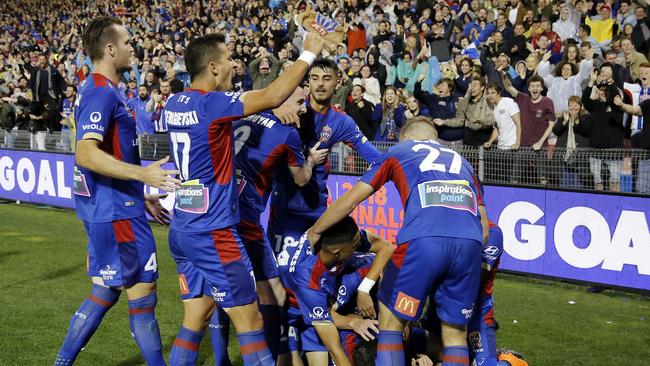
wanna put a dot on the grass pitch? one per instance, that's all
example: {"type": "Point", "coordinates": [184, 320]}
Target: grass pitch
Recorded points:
{"type": "Point", "coordinates": [43, 259]}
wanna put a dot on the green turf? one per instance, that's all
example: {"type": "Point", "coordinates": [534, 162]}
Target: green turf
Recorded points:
{"type": "Point", "coordinates": [42, 261]}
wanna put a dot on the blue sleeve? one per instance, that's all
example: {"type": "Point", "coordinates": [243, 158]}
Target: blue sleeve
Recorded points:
{"type": "Point", "coordinates": [379, 172]}
{"type": "Point", "coordinates": [94, 113]}
{"type": "Point", "coordinates": [294, 143]}
{"type": "Point", "coordinates": [400, 116]}
{"type": "Point", "coordinates": [224, 105]}
{"type": "Point", "coordinates": [313, 303]}
{"type": "Point", "coordinates": [365, 245]}
{"type": "Point", "coordinates": [493, 249]}
{"type": "Point", "coordinates": [348, 288]}
{"type": "Point", "coordinates": [353, 136]}
{"type": "Point", "coordinates": [377, 113]}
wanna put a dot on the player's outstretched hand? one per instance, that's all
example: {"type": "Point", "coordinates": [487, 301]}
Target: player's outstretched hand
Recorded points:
{"type": "Point", "coordinates": [317, 156]}
{"type": "Point", "coordinates": [366, 305]}
{"type": "Point", "coordinates": [313, 43]}
{"type": "Point", "coordinates": [155, 176]}
{"type": "Point", "coordinates": [365, 328]}
{"type": "Point", "coordinates": [155, 209]}
{"type": "Point", "coordinates": [287, 115]}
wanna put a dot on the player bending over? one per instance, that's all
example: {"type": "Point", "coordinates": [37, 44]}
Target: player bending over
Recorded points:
{"type": "Point", "coordinates": [439, 246]}
{"type": "Point", "coordinates": [109, 198]}
{"type": "Point", "coordinates": [210, 258]}
{"type": "Point", "coordinates": [262, 145]}
{"type": "Point", "coordinates": [310, 272]}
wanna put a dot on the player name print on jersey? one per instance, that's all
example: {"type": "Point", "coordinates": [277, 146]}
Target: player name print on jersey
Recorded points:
{"type": "Point", "coordinates": [192, 197]}
{"type": "Point", "coordinates": [454, 194]}
{"type": "Point", "coordinates": [181, 118]}
{"type": "Point", "coordinates": [80, 185]}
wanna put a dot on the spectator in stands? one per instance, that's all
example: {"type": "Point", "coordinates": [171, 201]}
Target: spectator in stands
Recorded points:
{"type": "Point", "coordinates": [388, 116]}
{"type": "Point", "coordinates": [156, 104]}
{"type": "Point", "coordinates": [176, 85]}
{"type": "Point", "coordinates": [441, 103]}
{"type": "Point", "coordinates": [584, 34]}
{"type": "Point", "coordinates": [639, 92]}
{"type": "Point", "coordinates": [370, 85]}
{"type": "Point", "coordinates": [414, 109]}
{"type": "Point", "coordinates": [507, 132]}
{"type": "Point", "coordinates": [633, 59]}
{"type": "Point", "coordinates": [7, 121]}
{"type": "Point", "coordinates": [606, 128]}
{"type": "Point", "coordinates": [537, 119]}
{"type": "Point", "coordinates": [567, 83]}
{"type": "Point", "coordinates": [67, 122]}
{"type": "Point", "coordinates": [47, 85]}
{"type": "Point", "coordinates": [464, 76]}
{"type": "Point", "coordinates": [641, 32]}
{"type": "Point", "coordinates": [572, 131]}
{"type": "Point", "coordinates": [151, 81]}
{"type": "Point", "coordinates": [361, 111]}
{"type": "Point", "coordinates": [564, 27]}
{"type": "Point", "coordinates": [343, 90]}
{"type": "Point", "coordinates": [38, 120]}
{"type": "Point", "coordinates": [474, 114]}
{"type": "Point", "coordinates": [241, 80]}
{"type": "Point", "coordinates": [377, 69]}
{"type": "Point", "coordinates": [264, 69]}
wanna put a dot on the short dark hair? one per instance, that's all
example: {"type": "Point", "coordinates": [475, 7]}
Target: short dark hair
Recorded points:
{"type": "Point", "coordinates": [201, 51]}
{"type": "Point", "coordinates": [97, 34]}
{"type": "Point", "coordinates": [325, 64]}
{"type": "Point", "coordinates": [74, 87]}
{"type": "Point", "coordinates": [480, 79]}
{"type": "Point", "coordinates": [586, 28]}
{"type": "Point", "coordinates": [495, 87]}
{"type": "Point", "coordinates": [536, 79]}
{"type": "Point", "coordinates": [343, 232]}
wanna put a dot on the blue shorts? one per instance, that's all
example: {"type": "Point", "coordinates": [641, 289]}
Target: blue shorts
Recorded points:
{"type": "Point", "coordinates": [286, 228]}
{"type": "Point", "coordinates": [448, 269]}
{"type": "Point", "coordinates": [259, 250]}
{"type": "Point", "coordinates": [306, 339]}
{"type": "Point", "coordinates": [122, 252]}
{"type": "Point", "coordinates": [213, 263]}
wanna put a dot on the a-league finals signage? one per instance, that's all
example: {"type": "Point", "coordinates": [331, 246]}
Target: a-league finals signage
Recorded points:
{"type": "Point", "coordinates": [579, 236]}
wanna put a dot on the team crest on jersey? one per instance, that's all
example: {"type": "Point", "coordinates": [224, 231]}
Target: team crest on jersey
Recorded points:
{"type": "Point", "coordinates": [241, 182]}
{"type": "Point", "coordinates": [475, 341]}
{"type": "Point", "coordinates": [454, 194]}
{"type": "Point", "coordinates": [325, 134]}
{"type": "Point", "coordinates": [80, 185]}
{"type": "Point", "coordinates": [192, 197]}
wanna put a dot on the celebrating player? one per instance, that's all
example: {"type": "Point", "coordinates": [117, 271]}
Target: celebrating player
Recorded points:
{"type": "Point", "coordinates": [294, 209]}
{"type": "Point", "coordinates": [109, 199]}
{"type": "Point", "coordinates": [310, 271]}
{"type": "Point", "coordinates": [210, 258]}
{"type": "Point", "coordinates": [439, 246]}
{"type": "Point", "coordinates": [262, 144]}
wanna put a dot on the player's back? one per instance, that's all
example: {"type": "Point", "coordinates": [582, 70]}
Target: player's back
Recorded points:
{"type": "Point", "coordinates": [438, 190]}
{"type": "Point", "coordinates": [262, 146]}
{"type": "Point", "coordinates": [100, 113]}
{"type": "Point", "coordinates": [200, 133]}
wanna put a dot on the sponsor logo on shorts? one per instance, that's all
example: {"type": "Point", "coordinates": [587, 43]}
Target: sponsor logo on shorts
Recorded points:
{"type": "Point", "coordinates": [219, 296]}
{"type": "Point", "coordinates": [80, 186]}
{"type": "Point", "coordinates": [468, 312]}
{"type": "Point", "coordinates": [475, 341]}
{"type": "Point", "coordinates": [406, 304]}
{"type": "Point", "coordinates": [454, 194]}
{"type": "Point", "coordinates": [192, 197]}
{"type": "Point", "coordinates": [182, 281]}
{"type": "Point", "coordinates": [107, 273]}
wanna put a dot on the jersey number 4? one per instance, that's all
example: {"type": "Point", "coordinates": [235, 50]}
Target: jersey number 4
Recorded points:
{"type": "Point", "coordinates": [429, 162]}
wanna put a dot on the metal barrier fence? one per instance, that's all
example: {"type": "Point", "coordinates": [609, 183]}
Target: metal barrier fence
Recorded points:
{"type": "Point", "coordinates": [625, 170]}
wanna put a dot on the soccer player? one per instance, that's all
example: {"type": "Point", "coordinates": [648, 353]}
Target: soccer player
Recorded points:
{"type": "Point", "coordinates": [439, 246]}
{"type": "Point", "coordinates": [310, 273]}
{"type": "Point", "coordinates": [109, 198]}
{"type": "Point", "coordinates": [294, 209]}
{"type": "Point", "coordinates": [210, 258]}
{"type": "Point", "coordinates": [262, 144]}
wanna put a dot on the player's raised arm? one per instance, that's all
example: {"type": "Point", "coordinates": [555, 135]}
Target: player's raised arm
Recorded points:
{"type": "Point", "coordinates": [279, 90]}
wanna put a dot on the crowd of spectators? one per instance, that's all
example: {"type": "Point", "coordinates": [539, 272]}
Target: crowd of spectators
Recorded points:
{"type": "Point", "coordinates": [516, 76]}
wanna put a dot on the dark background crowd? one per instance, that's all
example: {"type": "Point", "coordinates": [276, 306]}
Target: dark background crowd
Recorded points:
{"type": "Point", "coordinates": [517, 77]}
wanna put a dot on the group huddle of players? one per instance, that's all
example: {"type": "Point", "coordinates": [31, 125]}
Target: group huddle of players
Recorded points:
{"type": "Point", "coordinates": [313, 286]}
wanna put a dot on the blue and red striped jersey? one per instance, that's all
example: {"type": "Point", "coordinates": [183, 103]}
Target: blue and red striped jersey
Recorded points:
{"type": "Point", "coordinates": [100, 113]}
{"type": "Point", "coordinates": [439, 191]}
{"type": "Point", "coordinates": [201, 137]}
{"type": "Point", "coordinates": [309, 282]}
{"type": "Point", "coordinates": [262, 146]}
{"type": "Point", "coordinates": [355, 270]}
{"type": "Point", "coordinates": [329, 127]}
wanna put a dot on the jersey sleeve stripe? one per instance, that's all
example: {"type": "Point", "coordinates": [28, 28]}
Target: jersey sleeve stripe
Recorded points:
{"type": "Point", "coordinates": [478, 190]}
{"type": "Point", "coordinates": [93, 136]}
{"type": "Point", "coordinates": [221, 151]}
{"type": "Point", "coordinates": [316, 274]}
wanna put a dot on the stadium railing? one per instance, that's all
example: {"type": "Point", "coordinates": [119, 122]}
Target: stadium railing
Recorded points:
{"type": "Point", "coordinates": [551, 167]}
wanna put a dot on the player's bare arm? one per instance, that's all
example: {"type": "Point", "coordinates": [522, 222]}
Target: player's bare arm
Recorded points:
{"type": "Point", "coordinates": [341, 208]}
{"type": "Point", "coordinates": [329, 334]}
{"type": "Point", "coordinates": [383, 250]}
{"type": "Point", "coordinates": [90, 156]}
{"type": "Point", "coordinates": [279, 90]}
{"type": "Point", "coordinates": [302, 175]}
